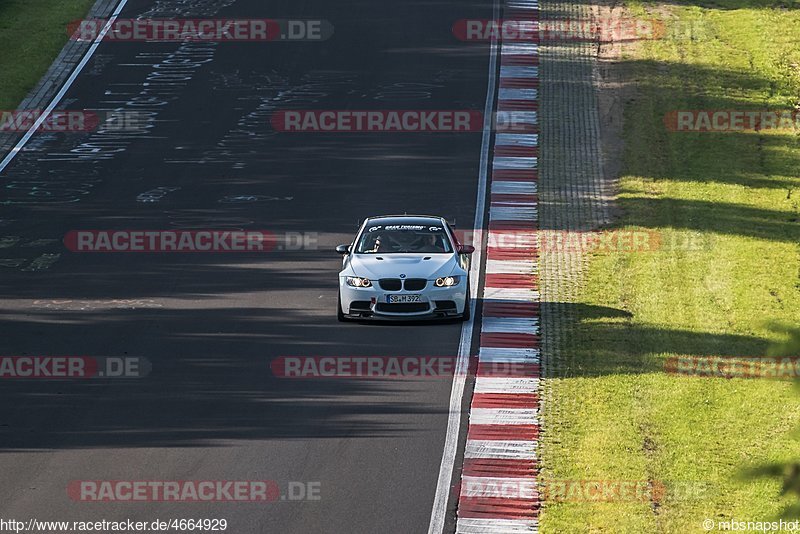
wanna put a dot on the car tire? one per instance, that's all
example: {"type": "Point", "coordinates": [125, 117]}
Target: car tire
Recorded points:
{"type": "Point", "coordinates": [467, 309]}
{"type": "Point", "coordinates": [339, 313]}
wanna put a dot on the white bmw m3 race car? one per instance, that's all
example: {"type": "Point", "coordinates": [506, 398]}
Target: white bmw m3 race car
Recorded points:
{"type": "Point", "coordinates": [404, 267]}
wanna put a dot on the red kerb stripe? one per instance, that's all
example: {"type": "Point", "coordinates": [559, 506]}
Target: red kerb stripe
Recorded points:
{"type": "Point", "coordinates": [519, 370]}
{"type": "Point", "coordinates": [493, 308]}
{"type": "Point", "coordinates": [505, 400]}
{"type": "Point", "coordinates": [497, 508]}
{"type": "Point", "coordinates": [499, 467]}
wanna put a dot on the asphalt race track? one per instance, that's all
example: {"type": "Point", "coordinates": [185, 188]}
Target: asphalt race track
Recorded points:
{"type": "Point", "coordinates": [210, 324]}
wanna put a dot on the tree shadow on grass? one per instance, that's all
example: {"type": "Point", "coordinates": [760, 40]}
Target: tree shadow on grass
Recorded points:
{"type": "Point", "coordinates": [712, 217]}
{"type": "Point", "coordinates": [611, 344]}
{"type": "Point", "coordinates": [748, 157]}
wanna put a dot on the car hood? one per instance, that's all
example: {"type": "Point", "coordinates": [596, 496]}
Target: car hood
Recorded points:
{"type": "Point", "coordinates": [411, 265]}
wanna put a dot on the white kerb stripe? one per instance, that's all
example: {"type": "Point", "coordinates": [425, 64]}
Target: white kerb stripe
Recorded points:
{"type": "Point", "coordinates": [502, 487]}
{"type": "Point", "coordinates": [503, 416]}
{"type": "Point", "coordinates": [516, 203]}
{"type": "Point", "coordinates": [516, 139]}
{"type": "Point", "coordinates": [498, 448]}
{"type": "Point", "coordinates": [505, 187]}
{"type": "Point", "coordinates": [520, 294]}
{"type": "Point", "coordinates": [510, 162]}
{"type": "Point", "coordinates": [516, 117]}
{"type": "Point", "coordinates": [524, 26]}
{"type": "Point", "coordinates": [513, 213]}
{"type": "Point", "coordinates": [511, 266]}
{"type": "Point", "coordinates": [506, 385]}
{"type": "Point", "coordinates": [519, 72]}
{"type": "Point", "coordinates": [519, 49]}
{"type": "Point", "coordinates": [471, 525]}
{"type": "Point", "coordinates": [514, 325]}
{"type": "Point", "coordinates": [505, 355]}
{"type": "Point", "coordinates": [515, 239]}
{"type": "Point", "coordinates": [513, 93]}
{"type": "Point", "coordinates": [523, 4]}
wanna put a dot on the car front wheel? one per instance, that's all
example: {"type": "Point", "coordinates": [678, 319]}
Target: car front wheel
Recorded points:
{"type": "Point", "coordinates": [339, 313]}
{"type": "Point", "coordinates": [467, 310]}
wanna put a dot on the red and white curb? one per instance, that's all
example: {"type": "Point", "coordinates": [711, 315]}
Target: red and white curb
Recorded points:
{"type": "Point", "coordinates": [498, 490]}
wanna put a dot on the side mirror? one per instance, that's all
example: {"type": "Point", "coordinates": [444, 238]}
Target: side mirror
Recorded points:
{"type": "Point", "coordinates": [343, 249]}
{"type": "Point", "coordinates": [466, 249]}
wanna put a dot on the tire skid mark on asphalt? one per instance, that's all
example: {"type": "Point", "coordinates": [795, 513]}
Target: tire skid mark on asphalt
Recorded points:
{"type": "Point", "coordinates": [498, 490]}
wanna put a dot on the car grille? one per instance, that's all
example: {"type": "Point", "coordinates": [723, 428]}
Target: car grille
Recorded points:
{"type": "Point", "coordinates": [445, 305]}
{"type": "Point", "coordinates": [414, 284]}
{"type": "Point", "coordinates": [389, 284]}
{"type": "Point", "coordinates": [404, 307]}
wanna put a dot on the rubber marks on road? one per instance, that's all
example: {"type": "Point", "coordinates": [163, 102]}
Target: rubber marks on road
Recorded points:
{"type": "Point", "coordinates": [498, 490]}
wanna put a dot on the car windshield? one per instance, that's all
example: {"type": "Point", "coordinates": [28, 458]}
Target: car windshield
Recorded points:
{"type": "Point", "coordinates": [401, 238]}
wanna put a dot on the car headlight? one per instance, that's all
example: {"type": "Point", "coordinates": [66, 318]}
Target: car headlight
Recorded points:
{"type": "Point", "coordinates": [447, 281]}
{"type": "Point", "coordinates": [357, 281]}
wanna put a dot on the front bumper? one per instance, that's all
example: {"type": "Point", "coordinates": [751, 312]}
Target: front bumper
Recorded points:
{"type": "Point", "coordinates": [372, 302]}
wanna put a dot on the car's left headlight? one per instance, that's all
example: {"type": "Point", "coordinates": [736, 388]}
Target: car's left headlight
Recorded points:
{"type": "Point", "coordinates": [447, 281]}
{"type": "Point", "coordinates": [357, 281]}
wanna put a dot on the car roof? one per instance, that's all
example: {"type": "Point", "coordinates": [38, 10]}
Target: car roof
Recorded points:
{"type": "Point", "coordinates": [388, 220]}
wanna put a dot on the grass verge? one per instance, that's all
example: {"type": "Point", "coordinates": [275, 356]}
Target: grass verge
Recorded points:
{"type": "Point", "coordinates": [735, 198]}
{"type": "Point", "coordinates": [32, 33]}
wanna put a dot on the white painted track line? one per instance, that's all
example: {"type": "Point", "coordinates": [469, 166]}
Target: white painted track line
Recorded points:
{"type": "Point", "coordinates": [442, 495]}
{"type": "Point", "coordinates": [63, 91]}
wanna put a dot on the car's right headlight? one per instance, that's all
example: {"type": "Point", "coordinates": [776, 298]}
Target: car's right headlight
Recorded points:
{"type": "Point", "coordinates": [357, 281]}
{"type": "Point", "coordinates": [447, 281]}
